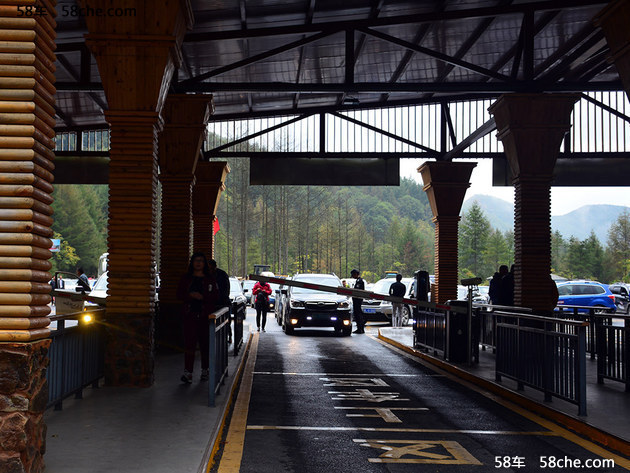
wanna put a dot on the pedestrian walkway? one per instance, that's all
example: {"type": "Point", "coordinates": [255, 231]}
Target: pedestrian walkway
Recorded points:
{"type": "Point", "coordinates": [608, 404]}
{"type": "Point", "coordinates": [167, 428]}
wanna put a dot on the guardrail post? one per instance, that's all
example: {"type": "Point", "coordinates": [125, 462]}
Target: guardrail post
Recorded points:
{"type": "Point", "coordinates": [591, 333]}
{"type": "Point", "coordinates": [548, 362]}
{"type": "Point", "coordinates": [625, 340]}
{"type": "Point", "coordinates": [61, 326]}
{"type": "Point", "coordinates": [580, 371]}
{"type": "Point", "coordinates": [212, 368]}
{"type": "Point", "coordinates": [600, 349]}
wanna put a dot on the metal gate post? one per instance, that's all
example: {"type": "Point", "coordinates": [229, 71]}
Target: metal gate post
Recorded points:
{"type": "Point", "coordinates": [212, 368]}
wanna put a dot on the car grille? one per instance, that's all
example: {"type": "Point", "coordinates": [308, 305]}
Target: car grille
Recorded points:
{"type": "Point", "coordinates": [321, 306]}
{"type": "Point", "coordinates": [371, 302]}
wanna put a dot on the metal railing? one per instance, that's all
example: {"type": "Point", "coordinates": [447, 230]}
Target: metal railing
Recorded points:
{"type": "Point", "coordinates": [488, 322]}
{"type": "Point", "coordinates": [238, 315]}
{"type": "Point", "coordinates": [430, 330]}
{"type": "Point", "coordinates": [544, 353]}
{"type": "Point", "coordinates": [613, 349]}
{"type": "Point", "coordinates": [219, 328]}
{"type": "Point", "coordinates": [76, 356]}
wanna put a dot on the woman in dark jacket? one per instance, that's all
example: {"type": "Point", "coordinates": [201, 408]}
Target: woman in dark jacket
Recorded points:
{"type": "Point", "coordinates": [199, 293]}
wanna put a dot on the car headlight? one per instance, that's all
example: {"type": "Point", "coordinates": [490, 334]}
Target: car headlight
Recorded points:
{"type": "Point", "coordinates": [344, 305]}
{"type": "Point", "coordinates": [297, 303]}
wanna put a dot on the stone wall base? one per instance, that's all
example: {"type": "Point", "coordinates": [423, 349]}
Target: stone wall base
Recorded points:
{"type": "Point", "coordinates": [129, 351]}
{"type": "Point", "coordinates": [23, 399]}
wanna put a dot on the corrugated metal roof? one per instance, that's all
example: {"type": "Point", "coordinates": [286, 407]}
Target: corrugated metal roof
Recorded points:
{"type": "Point", "coordinates": [221, 37]}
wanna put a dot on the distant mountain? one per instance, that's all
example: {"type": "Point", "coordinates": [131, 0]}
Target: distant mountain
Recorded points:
{"type": "Point", "coordinates": [580, 222]}
{"type": "Point", "coordinates": [577, 223]}
{"type": "Point", "coordinates": [499, 212]}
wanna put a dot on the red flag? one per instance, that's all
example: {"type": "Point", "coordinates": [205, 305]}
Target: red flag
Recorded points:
{"type": "Point", "coordinates": [215, 226]}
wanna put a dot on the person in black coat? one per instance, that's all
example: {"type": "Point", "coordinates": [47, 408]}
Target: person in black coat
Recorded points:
{"type": "Point", "coordinates": [357, 311]}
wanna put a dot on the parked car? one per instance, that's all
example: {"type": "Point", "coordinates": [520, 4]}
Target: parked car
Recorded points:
{"type": "Point", "coordinates": [587, 294]}
{"type": "Point", "coordinates": [312, 308]}
{"type": "Point", "coordinates": [248, 285]}
{"type": "Point", "coordinates": [281, 303]}
{"type": "Point", "coordinates": [272, 297]}
{"type": "Point", "coordinates": [386, 307]}
{"type": "Point", "coordinates": [621, 292]}
{"type": "Point", "coordinates": [236, 292]}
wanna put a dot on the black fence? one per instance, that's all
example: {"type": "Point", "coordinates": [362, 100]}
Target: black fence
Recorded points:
{"type": "Point", "coordinates": [544, 353]}
{"type": "Point", "coordinates": [238, 316]}
{"type": "Point", "coordinates": [76, 355]}
{"type": "Point", "coordinates": [430, 330]}
{"type": "Point", "coordinates": [613, 349]}
{"type": "Point", "coordinates": [219, 347]}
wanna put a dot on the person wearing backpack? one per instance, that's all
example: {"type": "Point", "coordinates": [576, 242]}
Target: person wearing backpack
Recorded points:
{"type": "Point", "coordinates": [261, 292]}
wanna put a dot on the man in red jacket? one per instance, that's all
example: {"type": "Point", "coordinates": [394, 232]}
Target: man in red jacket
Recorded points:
{"type": "Point", "coordinates": [261, 292]}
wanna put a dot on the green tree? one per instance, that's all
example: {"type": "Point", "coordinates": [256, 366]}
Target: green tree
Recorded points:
{"type": "Point", "coordinates": [66, 258]}
{"type": "Point", "coordinates": [497, 251]}
{"type": "Point", "coordinates": [473, 241]}
{"type": "Point", "coordinates": [619, 247]}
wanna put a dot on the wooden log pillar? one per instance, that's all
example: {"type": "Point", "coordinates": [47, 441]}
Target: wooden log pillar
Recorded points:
{"type": "Point", "coordinates": [186, 120]}
{"type": "Point", "coordinates": [446, 183]}
{"type": "Point", "coordinates": [532, 127]}
{"type": "Point", "coordinates": [136, 58]}
{"type": "Point", "coordinates": [614, 21]}
{"type": "Point", "coordinates": [209, 184]}
{"type": "Point", "coordinates": [27, 125]}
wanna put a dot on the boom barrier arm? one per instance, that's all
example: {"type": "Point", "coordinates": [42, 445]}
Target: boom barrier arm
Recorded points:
{"type": "Point", "coordinates": [357, 293]}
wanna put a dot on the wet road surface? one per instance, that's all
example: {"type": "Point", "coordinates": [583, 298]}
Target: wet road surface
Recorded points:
{"type": "Point", "coordinates": [315, 402]}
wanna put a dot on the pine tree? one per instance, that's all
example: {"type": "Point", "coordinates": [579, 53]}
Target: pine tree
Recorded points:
{"type": "Point", "coordinates": [619, 247]}
{"type": "Point", "coordinates": [474, 233]}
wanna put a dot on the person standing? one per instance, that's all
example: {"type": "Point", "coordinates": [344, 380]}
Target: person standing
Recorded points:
{"type": "Point", "coordinates": [357, 311]}
{"type": "Point", "coordinates": [223, 281]}
{"type": "Point", "coordinates": [261, 292]}
{"type": "Point", "coordinates": [199, 292]}
{"type": "Point", "coordinates": [397, 289]}
{"type": "Point", "coordinates": [83, 283]}
{"type": "Point", "coordinates": [495, 290]}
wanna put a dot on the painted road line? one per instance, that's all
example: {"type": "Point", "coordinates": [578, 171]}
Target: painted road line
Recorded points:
{"type": "Point", "coordinates": [448, 452]}
{"type": "Point", "coordinates": [405, 375]}
{"type": "Point", "coordinates": [558, 430]}
{"type": "Point", "coordinates": [233, 449]}
{"type": "Point", "coordinates": [543, 433]}
{"type": "Point", "coordinates": [385, 413]}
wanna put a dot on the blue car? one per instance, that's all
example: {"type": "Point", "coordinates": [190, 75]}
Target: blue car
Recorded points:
{"type": "Point", "coordinates": [586, 294]}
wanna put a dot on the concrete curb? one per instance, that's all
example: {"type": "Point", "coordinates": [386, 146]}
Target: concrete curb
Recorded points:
{"type": "Point", "coordinates": [572, 423]}
{"type": "Point", "coordinates": [207, 461]}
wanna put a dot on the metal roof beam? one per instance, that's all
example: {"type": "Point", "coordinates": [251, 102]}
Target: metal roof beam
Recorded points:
{"type": "Point", "coordinates": [384, 133]}
{"type": "Point", "coordinates": [494, 88]}
{"type": "Point", "coordinates": [479, 133]}
{"type": "Point", "coordinates": [256, 58]}
{"type": "Point", "coordinates": [436, 55]}
{"type": "Point", "coordinates": [494, 11]}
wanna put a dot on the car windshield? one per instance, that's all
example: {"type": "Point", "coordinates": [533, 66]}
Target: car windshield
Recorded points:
{"type": "Point", "coordinates": [331, 281]}
{"type": "Point", "coordinates": [248, 284]}
{"type": "Point", "coordinates": [382, 286]}
{"type": "Point", "coordinates": [101, 283]}
{"type": "Point", "coordinates": [274, 287]}
{"type": "Point", "coordinates": [235, 287]}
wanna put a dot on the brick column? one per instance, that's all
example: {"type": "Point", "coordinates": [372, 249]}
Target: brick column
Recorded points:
{"type": "Point", "coordinates": [136, 58]}
{"type": "Point", "coordinates": [26, 163]}
{"type": "Point", "coordinates": [186, 119]}
{"type": "Point", "coordinates": [532, 127]}
{"type": "Point", "coordinates": [209, 184]}
{"type": "Point", "coordinates": [614, 21]}
{"type": "Point", "coordinates": [445, 184]}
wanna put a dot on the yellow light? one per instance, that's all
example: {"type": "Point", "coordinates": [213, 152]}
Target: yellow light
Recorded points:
{"type": "Point", "coordinates": [294, 321]}
{"type": "Point", "coordinates": [87, 318]}
{"type": "Point", "coordinates": [346, 322]}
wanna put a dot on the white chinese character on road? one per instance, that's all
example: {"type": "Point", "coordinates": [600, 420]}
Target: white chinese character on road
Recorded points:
{"type": "Point", "coordinates": [366, 395]}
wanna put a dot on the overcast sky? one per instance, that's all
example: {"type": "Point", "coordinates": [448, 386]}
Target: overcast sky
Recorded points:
{"type": "Point", "coordinates": [563, 199]}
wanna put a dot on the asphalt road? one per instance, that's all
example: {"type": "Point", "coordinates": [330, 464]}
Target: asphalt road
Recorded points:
{"type": "Point", "coordinates": [314, 402]}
